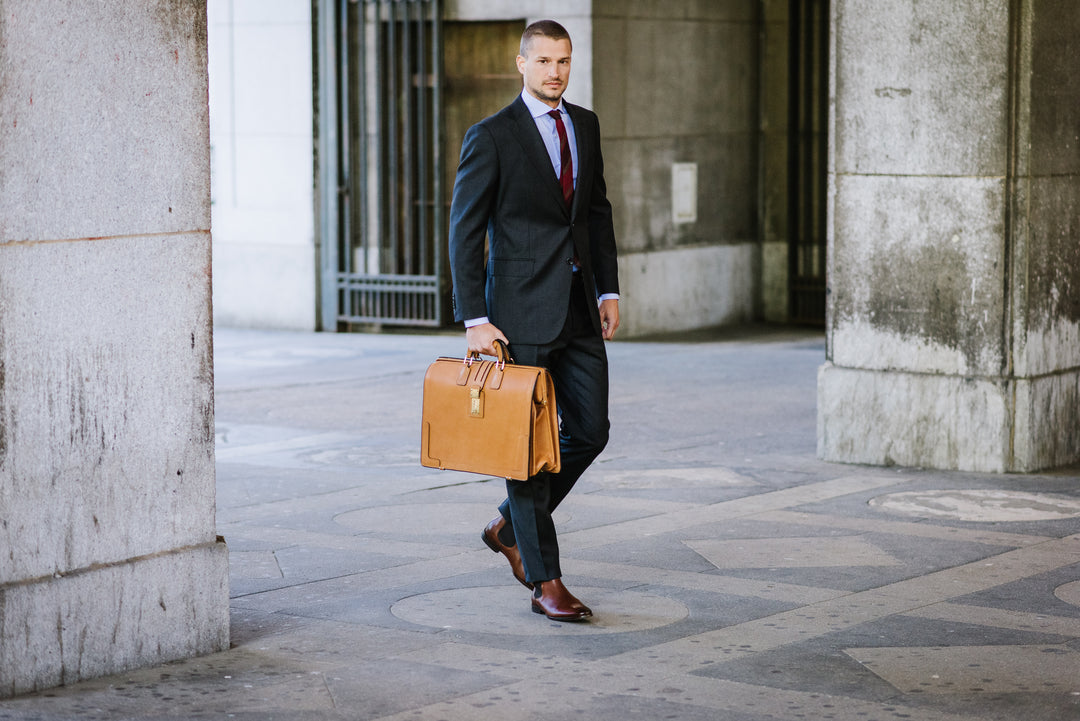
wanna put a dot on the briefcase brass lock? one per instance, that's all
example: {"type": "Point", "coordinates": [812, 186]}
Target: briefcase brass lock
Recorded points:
{"type": "Point", "coordinates": [476, 403]}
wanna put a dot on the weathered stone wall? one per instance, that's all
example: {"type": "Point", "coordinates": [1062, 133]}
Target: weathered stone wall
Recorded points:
{"type": "Point", "coordinates": [1045, 225]}
{"type": "Point", "coordinates": [677, 82]}
{"type": "Point", "coordinates": [953, 257]}
{"type": "Point", "coordinates": [108, 552]}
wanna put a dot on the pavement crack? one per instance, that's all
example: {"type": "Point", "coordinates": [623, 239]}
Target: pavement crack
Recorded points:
{"type": "Point", "coordinates": [448, 485]}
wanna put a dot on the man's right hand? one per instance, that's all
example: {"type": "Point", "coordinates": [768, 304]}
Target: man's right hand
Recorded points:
{"type": "Point", "coordinates": [481, 338]}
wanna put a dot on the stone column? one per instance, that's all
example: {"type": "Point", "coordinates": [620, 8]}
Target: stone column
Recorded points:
{"type": "Point", "coordinates": [954, 263]}
{"type": "Point", "coordinates": [108, 553]}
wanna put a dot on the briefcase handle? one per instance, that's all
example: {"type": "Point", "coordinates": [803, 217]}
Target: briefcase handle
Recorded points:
{"type": "Point", "coordinates": [502, 355]}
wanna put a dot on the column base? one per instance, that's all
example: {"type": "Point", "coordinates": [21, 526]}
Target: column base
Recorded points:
{"type": "Point", "coordinates": [948, 422]}
{"type": "Point", "coordinates": [108, 619]}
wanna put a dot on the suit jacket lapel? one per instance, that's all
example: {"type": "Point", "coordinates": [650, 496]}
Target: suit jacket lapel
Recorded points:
{"type": "Point", "coordinates": [584, 152]}
{"type": "Point", "coordinates": [529, 137]}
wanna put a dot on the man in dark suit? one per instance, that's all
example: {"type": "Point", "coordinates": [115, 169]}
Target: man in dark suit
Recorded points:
{"type": "Point", "coordinates": [531, 178]}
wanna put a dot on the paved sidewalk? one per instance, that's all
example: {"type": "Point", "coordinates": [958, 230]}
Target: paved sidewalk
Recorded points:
{"type": "Point", "coordinates": [734, 577]}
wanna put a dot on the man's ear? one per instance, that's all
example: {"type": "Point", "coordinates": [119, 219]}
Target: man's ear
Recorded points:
{"type": "Point", "coordinates": [521, 64]}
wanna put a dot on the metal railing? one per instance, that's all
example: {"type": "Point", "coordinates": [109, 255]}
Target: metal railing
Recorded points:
{"type": "Point", "coordinates": [380, 134]}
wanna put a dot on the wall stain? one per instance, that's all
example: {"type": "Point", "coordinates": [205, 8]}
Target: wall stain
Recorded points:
{"type": "Point", "coordinates": [3, 403]}
{"type": "Point", "coordinates": [928, 293]}
{"type": "Point", "coordinates": [892, 92]}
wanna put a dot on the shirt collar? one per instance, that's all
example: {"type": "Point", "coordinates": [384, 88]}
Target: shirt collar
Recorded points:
{"type": "Point", "coordinates": [539, 107]}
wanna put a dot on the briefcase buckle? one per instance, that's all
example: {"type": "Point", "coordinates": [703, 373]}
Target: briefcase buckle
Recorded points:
{"type": "Point", "coordinates": [476, 403]}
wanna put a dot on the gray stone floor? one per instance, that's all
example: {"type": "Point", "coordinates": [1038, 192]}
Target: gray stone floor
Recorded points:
{"type": "Point", "coordinates": [733, 575]}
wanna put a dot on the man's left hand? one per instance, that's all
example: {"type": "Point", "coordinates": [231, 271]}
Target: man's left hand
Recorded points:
{"type": "Point", "coordinates": [609, 317]}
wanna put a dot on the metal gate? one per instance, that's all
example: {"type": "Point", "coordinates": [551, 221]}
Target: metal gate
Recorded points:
{"type": "Point", "coordinates": [807, 153]}
{"type": "Point", "coordinates": [380, 163]}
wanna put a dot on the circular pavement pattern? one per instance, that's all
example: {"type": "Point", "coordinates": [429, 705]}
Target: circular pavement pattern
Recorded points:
{"type": "Point", "coordinates": [507, 610]}
{"type": "Point", "coordinates": [1069, 593]}
{"type": "Point", "coordinates": [979, 505]}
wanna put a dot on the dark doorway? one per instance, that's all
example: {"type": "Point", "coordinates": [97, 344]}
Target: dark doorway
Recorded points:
{"type": "Point", "coordinates": [808, 80]}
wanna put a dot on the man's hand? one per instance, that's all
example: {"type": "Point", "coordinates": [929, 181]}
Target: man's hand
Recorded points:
{"type": "Point", "coordinates": [481, 338]}
{"type": "Point", "coordinates": [609, 317]}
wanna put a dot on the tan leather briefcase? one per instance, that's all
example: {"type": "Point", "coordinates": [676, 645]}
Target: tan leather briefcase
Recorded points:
{"type": "Point", "coordinates": [489, 416]}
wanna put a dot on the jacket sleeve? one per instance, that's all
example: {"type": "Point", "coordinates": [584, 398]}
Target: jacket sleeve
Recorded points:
{"type": "Point", "coordinates": [471, 208]}
{"type": "Point", "coordinates": [601, 227]}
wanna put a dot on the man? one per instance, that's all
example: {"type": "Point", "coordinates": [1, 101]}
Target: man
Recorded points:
{"type": "Point", "coordinates": [532, 178]}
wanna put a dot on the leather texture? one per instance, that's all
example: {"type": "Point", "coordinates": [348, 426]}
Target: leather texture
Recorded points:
{"type": "Point", "coordinates": [555, 601]}
{"type": "Point", "coordinates": [490, 536]}
{"type": "Point", "coordinates": [489, 416]}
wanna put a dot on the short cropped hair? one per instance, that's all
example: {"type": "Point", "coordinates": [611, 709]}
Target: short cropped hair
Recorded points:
{"type": "Point", "coordinates": [542, 28]}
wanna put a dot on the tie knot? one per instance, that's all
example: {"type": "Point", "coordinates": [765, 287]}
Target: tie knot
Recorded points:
{"type": "Point", "coordinates": [555, 114]}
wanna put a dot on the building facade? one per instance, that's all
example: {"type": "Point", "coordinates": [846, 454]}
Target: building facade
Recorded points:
{"type": "Point", "coordinates": [929, 147]}
{"type": "Point", "coordinates": [319, 125]}
{"type": "Point", "coordinates": [933, 144]}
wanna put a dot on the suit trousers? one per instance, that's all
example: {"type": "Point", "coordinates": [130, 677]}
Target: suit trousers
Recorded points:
{"type": "Point", "coordinates": [577, 361]}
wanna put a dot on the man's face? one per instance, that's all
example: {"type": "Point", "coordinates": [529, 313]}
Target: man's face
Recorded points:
{"type": "Point", "coordinates": [546, 70]}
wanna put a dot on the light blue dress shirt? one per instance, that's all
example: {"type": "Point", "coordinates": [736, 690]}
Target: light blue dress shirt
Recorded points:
{"type": "Point", "coordinates": [549, 132]}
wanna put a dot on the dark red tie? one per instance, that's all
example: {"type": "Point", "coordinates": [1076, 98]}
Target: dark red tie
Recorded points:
{"type": "Point", "coordinates": [566, 174]}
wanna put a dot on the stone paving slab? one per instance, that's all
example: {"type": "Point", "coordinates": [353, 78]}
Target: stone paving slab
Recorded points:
{"type": "Point", "coordinates": [734, 577]}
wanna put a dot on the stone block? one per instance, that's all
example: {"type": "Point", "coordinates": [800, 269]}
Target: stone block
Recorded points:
{"type": "Point", "coordinates": [104, 112]}
{"type": "Point", "coordinates": [273, 173]}
{"type": "Point", "coordinates": [639, 187]}
{"type": "Point", "coordinates": [258, 285]}
{"type": "Point", "coordinates": [916, 275]}
{"type": "Point", "coordinates": [1054, 88]}
{"type": "Point", "coordinates": [272, 81]}
{"type": "Point", "coordinates": [106, 401]}
{"type": "Point", "coordinates": [269, 12]}
{"type": "Point", "coordinates": [1045, 283]}
{"type": "Point", "coordinates": [110, 618]}
{"type": "Point", "coordinates": [1047, 422]}
{"type": "Point", "coordinates": [723, 10]}
{"type": "Point", "coordinates": [921, 88]}
{"type": "Point", "coordinates": [686, 288]}
{"type": "Point", "coordinates": [610, 94]}
{"type": "Point", "coordinates": [530, 10]}
{"type": "Point", "coordinates": [890, 418]}
{"type": "Point", "coordinates": [711, 79]}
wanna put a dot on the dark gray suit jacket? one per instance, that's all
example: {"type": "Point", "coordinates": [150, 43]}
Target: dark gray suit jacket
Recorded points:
{"type": "Point", "coordinates": [507, 188]}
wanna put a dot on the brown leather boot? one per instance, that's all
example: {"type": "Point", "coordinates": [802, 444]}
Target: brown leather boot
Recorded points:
{"type": "Point", "coordinates": [553, 600]}
{"type": "Point", "coordinates": [491, 538]}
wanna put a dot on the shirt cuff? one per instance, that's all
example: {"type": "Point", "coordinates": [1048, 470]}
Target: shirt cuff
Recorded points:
{"type": "Point", "coordinates": [608, 296]}
{"type": "Point", "coordinates": [476, 321]}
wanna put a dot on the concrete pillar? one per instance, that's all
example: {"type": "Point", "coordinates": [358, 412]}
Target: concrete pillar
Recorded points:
{"type": "Point", "coordinates": [954, 268]}
{"type": "Point", "coordinates": [108, 553]}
